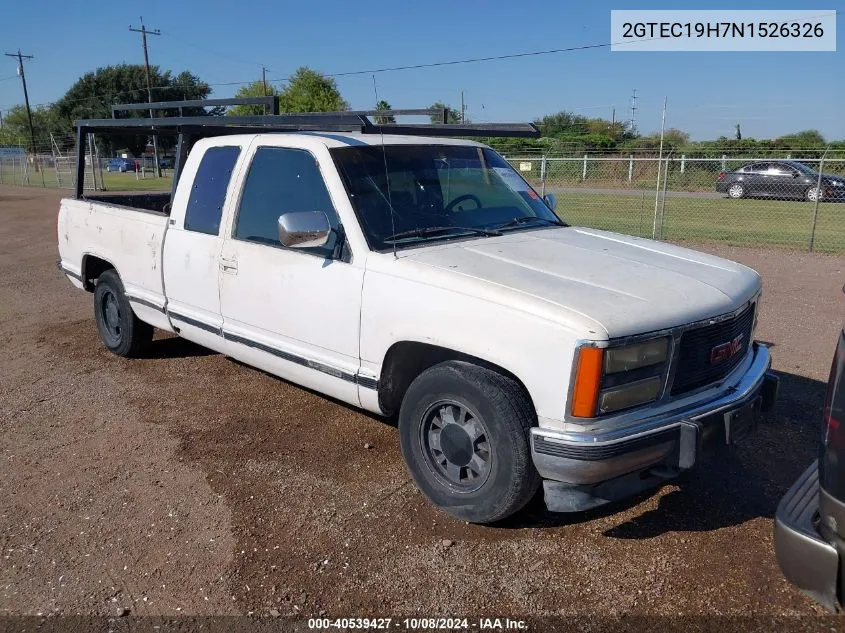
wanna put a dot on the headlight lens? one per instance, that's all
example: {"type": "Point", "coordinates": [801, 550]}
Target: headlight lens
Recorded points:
{"type": "Point", "coordinates": [618, 378]}
{"type": "Point", "coordinates": [631, 395]}
{"type": "Point", "coordinates": [630, 357]}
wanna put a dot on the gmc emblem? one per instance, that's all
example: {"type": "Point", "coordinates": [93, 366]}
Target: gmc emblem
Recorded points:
{"type": "Point", "coordinates": [724, 351]}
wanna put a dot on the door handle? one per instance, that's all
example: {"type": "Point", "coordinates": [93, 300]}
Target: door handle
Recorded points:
{"type": "Point", "coordinates": [229, 266]}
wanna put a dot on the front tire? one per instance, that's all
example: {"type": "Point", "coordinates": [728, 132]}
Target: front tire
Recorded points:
{"type": "Point", "coordinates": [736, 191]}
{"type": "Point", "coordinates": [812, 194]}
{"type": "Point", "coordinates": [464, 432]}
{"type": "Point", "coordinates": [120, 330]}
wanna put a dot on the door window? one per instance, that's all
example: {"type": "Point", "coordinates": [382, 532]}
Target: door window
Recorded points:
{"type": "Point", "coordinates": [208, 193]}
{"type": "Point", "coordinates": [776, 169]}
{"type": "Point", "coordinates": [283, 180]}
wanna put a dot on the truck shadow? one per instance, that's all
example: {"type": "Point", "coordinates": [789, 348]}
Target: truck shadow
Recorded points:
{"type": "Point", "coordinates": [729, 486]}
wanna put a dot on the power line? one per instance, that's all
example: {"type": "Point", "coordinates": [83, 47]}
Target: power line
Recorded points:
{"type": "Point", "coordinates": [471, 60]}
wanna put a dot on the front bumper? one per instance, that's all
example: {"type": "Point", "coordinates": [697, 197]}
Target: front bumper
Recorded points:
{"type": "Point", "coordinates": [584, 470]}
{"type": "Point", "coordinates": [807, 560]}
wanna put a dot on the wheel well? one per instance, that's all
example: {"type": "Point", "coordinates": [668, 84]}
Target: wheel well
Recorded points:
{"type": "Point", "coordinates": [92, 268]}
{"type": "Point", "coordinates": [406, 360]}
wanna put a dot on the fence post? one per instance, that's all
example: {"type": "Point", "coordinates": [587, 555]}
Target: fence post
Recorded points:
{"type": "Point", "coordinates": [663, 201]}
{"type": "Point", "coordinates": [724, 163]}
{"type": "Point", "coordinates": [91, 154]}
{"type": "Point", "coordinates": [543, 175]}
{"type": "Point", "coordinates": [630, 167]}
{"type": "Point", "coordinates": [584, 170]}
{"type": "Point", "coordinates": [683, 162]}
{"type": "Point", "coordinates": [816, 204]}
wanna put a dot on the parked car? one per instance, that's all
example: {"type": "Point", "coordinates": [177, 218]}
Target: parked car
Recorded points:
{"type": "Point", "coordinates": [784, 179]}
{"type": "Point", "coordinates": [166, 162]}
{"type": "Point", "coordinates": [810, 519]}
{"type": "Point", "coordinates": [120, 164]}
{"type": "Point", "coordinates": [424, 277]}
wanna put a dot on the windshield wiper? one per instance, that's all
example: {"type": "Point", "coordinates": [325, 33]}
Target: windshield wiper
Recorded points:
{"type": "Point", "coordinates": [439, 230]}
{"type": "Point", "coordinates": [525, 219]}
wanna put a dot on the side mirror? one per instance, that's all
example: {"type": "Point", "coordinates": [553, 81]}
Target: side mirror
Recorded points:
{"type": "Point", "coordinates": [551, 201]}
{"type": "Point", "coordinates": [304, 229]}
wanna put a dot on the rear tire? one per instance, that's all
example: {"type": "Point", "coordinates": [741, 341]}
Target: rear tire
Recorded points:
{"type": "Point", "coordinates": [736, 191]}
{"type": "Point", "coordinates": [464, 431]}
{"type": "Point", "coordinates": [120, 330]}
{"type": "Point", "coordinates": [812, 193]}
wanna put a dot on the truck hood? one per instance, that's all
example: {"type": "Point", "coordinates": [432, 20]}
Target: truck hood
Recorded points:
{"type": "Point", "coordinates": [595, 280]}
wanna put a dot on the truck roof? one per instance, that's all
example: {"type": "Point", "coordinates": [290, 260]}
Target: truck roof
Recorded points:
{"type": "Point", "coordinates": [346, 139]}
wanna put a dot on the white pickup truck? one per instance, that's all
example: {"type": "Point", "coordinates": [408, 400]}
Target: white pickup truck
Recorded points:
{"type": "Point", "coordinates": [424, 278]}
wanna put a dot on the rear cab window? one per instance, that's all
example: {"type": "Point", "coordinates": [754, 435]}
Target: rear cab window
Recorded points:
{"type": "Point", "coordinates": [208, 191]}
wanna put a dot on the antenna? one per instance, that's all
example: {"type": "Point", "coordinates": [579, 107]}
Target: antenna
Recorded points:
{"type": "Point", "coordinates": [386, 174]}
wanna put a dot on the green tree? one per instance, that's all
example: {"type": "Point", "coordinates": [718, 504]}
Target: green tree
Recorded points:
{"type": "Point", "coordinates": [255, 89]}
{"type": "Point", "coordinates": [93, 94]}
{"type": "Point", "coordinates": [575, 132]}
{"type": "Point", "coordinates": [452, 115]}
{"type": "Point", "coordinates": [806, 139]}
{"type": "Point", "coordinates": [310, 91]}
{"type": "Point", "coordinates": [15, 130]}
{"type": "Point", "coordinates": [384, 120]}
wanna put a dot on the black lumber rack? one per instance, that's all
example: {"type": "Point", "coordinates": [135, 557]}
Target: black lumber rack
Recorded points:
{"type": "Point", "coordinates": [192, 128]}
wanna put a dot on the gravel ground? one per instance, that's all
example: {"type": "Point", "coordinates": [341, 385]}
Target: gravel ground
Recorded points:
{"type": "Point", "coordinates": [185, 483]}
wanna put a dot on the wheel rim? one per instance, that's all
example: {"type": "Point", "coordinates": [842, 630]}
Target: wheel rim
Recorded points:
{"type": "Point", "coordinates": [812, 194]}
{"type": "Point", "coordinates": [735, 191]}
{"type": "Point", "coordinates": [456, 446]}
{"type": "Point", "coordinates": [110, 312]}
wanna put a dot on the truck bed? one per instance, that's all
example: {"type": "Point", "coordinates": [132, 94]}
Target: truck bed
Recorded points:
{"type": "Point", "coordinates": [158, 202]}
{"type": "Point", "coordinates": [96, 232]}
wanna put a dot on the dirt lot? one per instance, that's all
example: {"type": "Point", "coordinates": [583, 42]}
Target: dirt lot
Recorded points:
{"type": "Point", "coordinates": [185, 483]}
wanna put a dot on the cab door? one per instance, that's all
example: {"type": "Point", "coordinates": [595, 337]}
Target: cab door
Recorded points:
{"type": "Point", "coordinates": [294, 312]}
{"type": "Point", "coordinates": [193, 242]}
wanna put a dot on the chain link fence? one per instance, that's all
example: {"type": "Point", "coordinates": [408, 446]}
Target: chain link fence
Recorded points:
{"type": "Point", "coordinates": [53, 165]}
{"type": "Point", "coordinates": [772, 199]}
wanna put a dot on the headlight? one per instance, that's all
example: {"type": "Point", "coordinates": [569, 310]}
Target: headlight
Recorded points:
{"type": "Point", "coordinates": [618, 378]}
{"type": "Point", "coordinates": [631, 395]}
{"type": "Point", "coordinates": [617, 359]}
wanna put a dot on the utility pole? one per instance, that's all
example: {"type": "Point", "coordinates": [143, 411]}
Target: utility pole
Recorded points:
{"type": "Point", "coordinates": [22, 57]}
{"type": "Point", "coordinates": [144, 32]}
{"type": "Point", "coordinates": [633, 111]}
{"type": "Point", "coordinates": [463, 108]}
{"type": "Point", "coordinates": [264, 83]}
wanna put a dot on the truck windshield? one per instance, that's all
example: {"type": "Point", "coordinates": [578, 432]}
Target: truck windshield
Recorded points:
{"type": "Point", "coordinates": [435, 193]}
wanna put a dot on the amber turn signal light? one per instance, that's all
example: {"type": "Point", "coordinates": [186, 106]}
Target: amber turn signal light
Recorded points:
{"type": "Point", "coordinates": [587, 381]}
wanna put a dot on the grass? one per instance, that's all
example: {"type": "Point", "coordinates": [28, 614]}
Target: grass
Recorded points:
{"type": "Point", "coordinates": [113, 181]}
{"type": "Point", "coordinates": [742, 222]}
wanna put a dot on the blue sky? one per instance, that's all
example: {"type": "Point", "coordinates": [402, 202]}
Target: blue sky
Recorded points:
{"type": "Point", "coordinates": [223, 42]}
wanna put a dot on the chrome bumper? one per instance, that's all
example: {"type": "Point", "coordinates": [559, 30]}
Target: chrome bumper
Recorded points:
{"type": "Point", "coordinates": [806, 559]}
{"type": "Point", "coordinates": [672, 440]}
